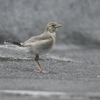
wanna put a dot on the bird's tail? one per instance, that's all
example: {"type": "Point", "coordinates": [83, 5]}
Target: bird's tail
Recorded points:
{"type": "Point", "coordinates": [12, 42]}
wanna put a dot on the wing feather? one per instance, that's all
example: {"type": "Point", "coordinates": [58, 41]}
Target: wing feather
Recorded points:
{"type": "Point", "coordinates": [36, 39]}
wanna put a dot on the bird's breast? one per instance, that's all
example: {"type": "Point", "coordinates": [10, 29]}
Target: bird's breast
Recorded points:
{"type": "Point", "coordinates": [53, 36]}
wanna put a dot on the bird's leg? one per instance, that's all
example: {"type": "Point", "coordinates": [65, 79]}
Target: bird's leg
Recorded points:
{"type": "Point", "coordinates": [39, 66]}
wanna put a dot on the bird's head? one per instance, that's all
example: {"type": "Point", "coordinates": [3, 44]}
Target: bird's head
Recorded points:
{"type": "Point", "coordinates": [52, 27]}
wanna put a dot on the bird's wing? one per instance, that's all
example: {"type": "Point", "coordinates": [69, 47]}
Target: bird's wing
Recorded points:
{"type": "Point", "coordinates": [36, 39]}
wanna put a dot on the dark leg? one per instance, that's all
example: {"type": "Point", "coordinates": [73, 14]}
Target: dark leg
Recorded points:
{"type": "Point", "coordinates": [39, 66]}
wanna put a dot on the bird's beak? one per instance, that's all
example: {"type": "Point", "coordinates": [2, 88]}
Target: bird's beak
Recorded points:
{"type": "Point", "coordinates": [58, 26]}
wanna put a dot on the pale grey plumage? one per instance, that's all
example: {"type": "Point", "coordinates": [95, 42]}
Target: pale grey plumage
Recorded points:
{"type": "Point", "coordinates": [40, 44]}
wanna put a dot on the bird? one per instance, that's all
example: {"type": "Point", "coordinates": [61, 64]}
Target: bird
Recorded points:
{"type": "Point", "coordinates": [40, 44]}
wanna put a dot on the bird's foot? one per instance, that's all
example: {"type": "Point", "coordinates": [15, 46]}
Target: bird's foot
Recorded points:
{"type": "Point", "coordinates": [42, 71]}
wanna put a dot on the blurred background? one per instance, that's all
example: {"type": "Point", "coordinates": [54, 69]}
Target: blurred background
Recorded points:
{"type": "Point", "coordinates": [21, 19]}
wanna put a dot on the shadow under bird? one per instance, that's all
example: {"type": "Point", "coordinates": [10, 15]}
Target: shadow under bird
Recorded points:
{"type": "Point", "coordinates": [41, 44]}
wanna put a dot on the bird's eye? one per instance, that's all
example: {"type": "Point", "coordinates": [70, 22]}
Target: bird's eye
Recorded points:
{"type": "Point", "coordinates": [53, 25]}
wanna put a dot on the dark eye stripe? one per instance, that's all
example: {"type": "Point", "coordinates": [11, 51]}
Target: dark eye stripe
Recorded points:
{"type": "Point", "coordinates": [53, 25]}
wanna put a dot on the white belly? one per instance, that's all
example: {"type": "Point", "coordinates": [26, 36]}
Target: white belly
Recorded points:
{"type": "Point", "coordinates": [41, 47]}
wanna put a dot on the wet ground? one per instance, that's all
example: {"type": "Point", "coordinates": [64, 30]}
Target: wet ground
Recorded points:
{"type": "Point", "coordinates": [75, 74]}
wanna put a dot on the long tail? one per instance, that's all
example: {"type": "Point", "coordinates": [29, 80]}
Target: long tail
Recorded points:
{"type": "Point", "coordinates": [11, 42]}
